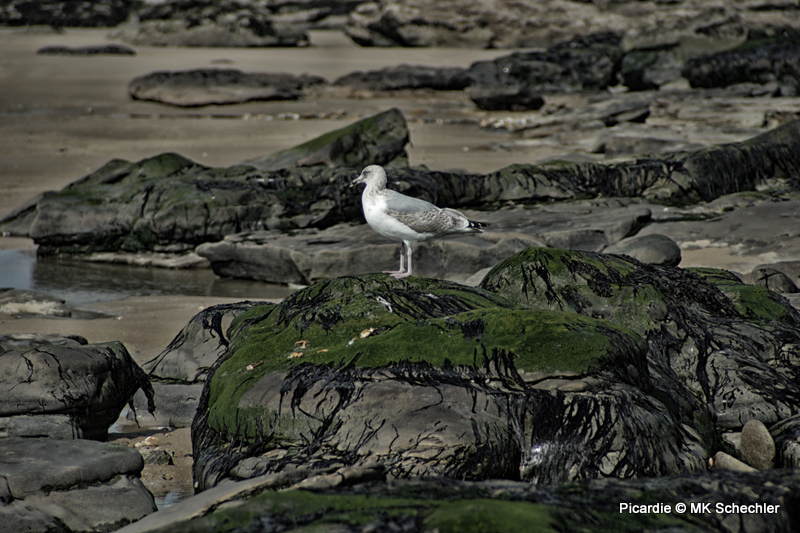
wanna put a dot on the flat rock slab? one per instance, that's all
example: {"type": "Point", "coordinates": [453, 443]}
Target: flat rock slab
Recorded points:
{"type": "Point", "coordinates": [200, 87]}
{"type": "Point", "coordinates": [104, 49]}
{"type": "Point", "coordinates": [745, 226]}
{"type": "Point", "coordinates": [84, 485]}
{"type": "Point", "coordinates": [346, 249]}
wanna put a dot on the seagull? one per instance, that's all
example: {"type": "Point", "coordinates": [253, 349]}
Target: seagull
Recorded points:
{"type": "Point", "coordinates": [402, 218]}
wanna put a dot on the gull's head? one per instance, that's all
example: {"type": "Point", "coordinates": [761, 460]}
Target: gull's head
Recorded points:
{"type": "Point", "coordinates": [371, 175]}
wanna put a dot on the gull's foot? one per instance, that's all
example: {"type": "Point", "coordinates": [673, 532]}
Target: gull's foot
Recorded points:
{"type": "Point", "coordinates": [397, 274]}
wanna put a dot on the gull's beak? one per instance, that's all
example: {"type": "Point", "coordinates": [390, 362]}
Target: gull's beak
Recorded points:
{"type": "Point", "coordinates": [359, 179]}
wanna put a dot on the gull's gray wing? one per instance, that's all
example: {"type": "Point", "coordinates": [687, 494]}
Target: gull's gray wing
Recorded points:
{"type": "Point", "coordinates": [422, 216]}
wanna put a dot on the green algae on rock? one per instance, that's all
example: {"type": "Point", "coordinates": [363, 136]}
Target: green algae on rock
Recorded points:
{"type": "Point", "coordinates": [709, 354]}
{"type": "Point", "coordinates": [432, 378]}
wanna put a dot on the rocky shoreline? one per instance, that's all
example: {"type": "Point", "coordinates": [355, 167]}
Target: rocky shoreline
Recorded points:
{"type": "Point", "coordinates": [625, 335]}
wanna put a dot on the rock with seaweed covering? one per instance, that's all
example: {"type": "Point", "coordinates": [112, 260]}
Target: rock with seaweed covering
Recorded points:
{"type": "Point", "coordinates": [168, 203]}
{"type": "Point", "coordinates": [717, 348]}
{"type": "Point", "coordinates": [588, 63]}
{"type": "Point", "coordinates": [341, 501]}
{"type": "Point", "coordinates": [67, 391]}
{"type": "Point", "coordinates": [215, 86]}
{"type": "Point", "coordinates": [178, 373]}
{"type": "Point", "coordinates": [761, 61]}
{"type": "Point", "coordinates": [376, 140]}
{"type": "Point", "coordinates": [171, 204]}
{"type": "Point", "coordinates": [432, 378]}
{"type": "Point", "coordinates": [50, 484]}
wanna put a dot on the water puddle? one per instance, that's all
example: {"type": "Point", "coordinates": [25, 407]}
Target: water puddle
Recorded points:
{"type": "Point", "coordinates": [80, 282]}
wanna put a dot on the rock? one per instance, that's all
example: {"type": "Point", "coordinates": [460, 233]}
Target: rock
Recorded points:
{"type": "Point", "coordinates": [734, 439]}
{"type": "Point", "coordinates": [339, 352]}
{"type": "Point", "coordinates": [70, 485]}
{"type": "Point", "coordinates": [652, 248]}
{"type": "Point", "coordinates": [723, 461]}
{"type": "Point", "coordinates": [647, 68]}
{"type": "Point", "coordinates": [201, 87]}
{"type": "Point", "coordinates": [620, 145]}
{"type": "Point", "coordinates": [18, 341]}
{"type": "Point", "coordinates": [758, 61]}
{"type": "Point", "coordinates": [757, 446]}
{"type": "Point", "coordinates": [491, 505]}
{"type": "Point", "coordinates": [407, 77]}
{"type": "Point", "coordinates": [772, 279]}
{"type": "Point", "coordinates": [170, 204]}
{"type": "Point", "coordinates": [787, 442]}
{"type": "Point", "coordinates": [101, 13]}
{"type": "Point", "coordinates": [379, 140]}
{"type": "Point", "coordinates": [345, 249]}
{"type": "Point", "coordinates": [519, 79]}
{"type": "Point", "coordinates": [157, 456]}
{"type": "Point", "coordinates": [509, 24]}
{"type": "Point", "coordinates": [103, 49]}
{"type": "Point", "coordinates": [742, 226]}
{"type": "Point", "coordinates": [177, 373]}
{"type": "Point", "coordinates": [206, 23]}
{"type": "Point", "coordinates": [67, 391]}
{"type": "Point", "coordinates": [25, 302]}
{"type": "Point", "coordinates": [677, 311]}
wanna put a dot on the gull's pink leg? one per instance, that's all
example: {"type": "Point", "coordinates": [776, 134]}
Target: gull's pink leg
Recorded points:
{"type": "Point", "coordinates": [396, 273]}
{"type": "Point", "coordinates": [401, 275]}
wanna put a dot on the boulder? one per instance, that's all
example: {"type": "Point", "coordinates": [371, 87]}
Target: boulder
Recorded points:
{"type": "Point", "coordinates": [476, 388]}
{"type": "Point", "coordinates": [51, 484]}
{"type": "Point", "coordinates": [178, 373]}
{"type": "Point", "coordinates": [652, 248]}
{"type": "Point", "coordinates": [772, 279]}
{"type": "Point", "coordinates": [212, 86]}
{"type": "Point", "coordinates": [67, 391]}
{"type": "Point", "coordinates": [723, 461]}
{"type": "Point", "coordinates": [757, 445]}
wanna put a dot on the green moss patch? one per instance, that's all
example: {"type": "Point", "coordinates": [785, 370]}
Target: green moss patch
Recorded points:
{"type": "Point", "coordinates": [347, 323]}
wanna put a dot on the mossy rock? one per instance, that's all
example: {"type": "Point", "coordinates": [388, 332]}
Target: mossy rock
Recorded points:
{"type": "Point", "coordinates": [376, 321]}
{"type": "Point", "coordinates": [750, 300]}
{"type": "Point", "coordinates": [700, 325]}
